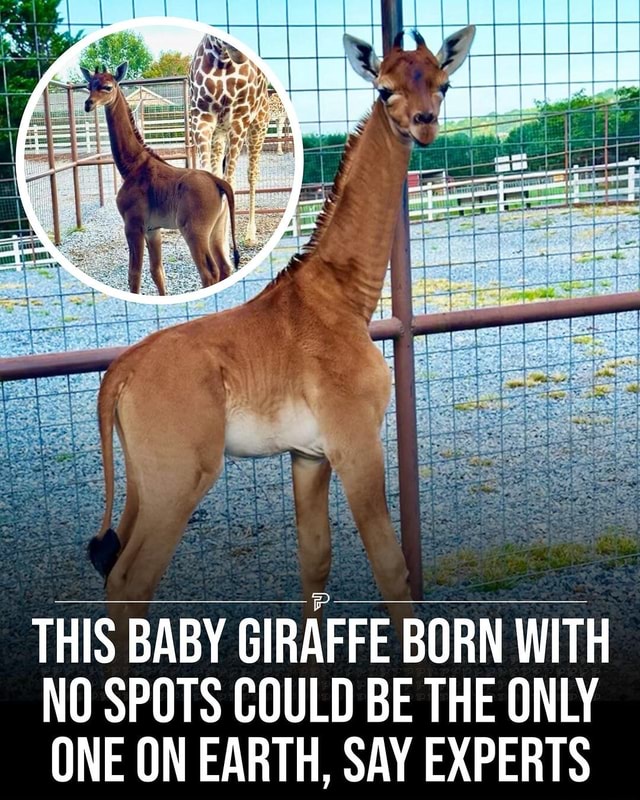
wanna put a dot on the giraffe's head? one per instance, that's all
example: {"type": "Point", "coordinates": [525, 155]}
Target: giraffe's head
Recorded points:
{"type": "Point", "coordinates": [411, 83]}
{"type": "Point", "coordinates": [102, 85]}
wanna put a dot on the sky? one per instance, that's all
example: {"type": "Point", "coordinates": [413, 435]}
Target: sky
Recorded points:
{"type": "Point", "coordinates": [525, 50]}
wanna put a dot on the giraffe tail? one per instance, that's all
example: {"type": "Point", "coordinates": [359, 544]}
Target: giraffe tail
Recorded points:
{"type": "Point", "coordinates": [227, 191]}
{"type": "Point", "coordinates": [103, 549]}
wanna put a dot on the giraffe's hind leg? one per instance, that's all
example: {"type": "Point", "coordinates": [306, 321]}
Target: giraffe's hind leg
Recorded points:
{"type": "Point", "coordinates": [154, 247]}
{"type": "Point", "coordinates": [255, 141]}
{"type": "Point", "coordinates": [171, 463]}
{"type": "Point", "coordinates": [198, 239]}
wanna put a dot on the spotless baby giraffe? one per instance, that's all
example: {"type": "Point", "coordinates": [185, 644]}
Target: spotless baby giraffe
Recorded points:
{"type": "Point", "coordinates": [156, 195]}
{"type": "Point", "coordinates": [294, 369]}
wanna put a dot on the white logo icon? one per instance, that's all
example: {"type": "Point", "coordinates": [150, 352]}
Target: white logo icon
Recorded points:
{"type": "Point", "coordinates": [319, 599]}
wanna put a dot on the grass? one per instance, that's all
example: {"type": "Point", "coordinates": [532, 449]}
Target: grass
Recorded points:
{"type": "Point", "coordinates": [605, 372]}
{"type": "Point", "coordinates": [625, 361]}
{"type": "Point", "coordinates": [479, 461]}
{"type": "Point", "coordinates": [62, 457]}
{"type": "Point", "coordinates": [618, 254]}
{"type": "Point", "coordinates": [599, 390]}
{"type": "Point", "coordinates": [555, 394]}
{"type": "Point", "coordinates": [483, 488]}
{"type": "Point", "coordinates": [9, 304]}
{"type": "Point", "coordinates": [501, 566]}
{"type": "Point", "coordinates": [446, 295]}
{"type": "Point", "coordinates": [585, 339]}
{"type": "Point", "coordinates": [535, 378]}
{"type": "Point", "coordinates": [448, 453]}
{"type": "Point", "coordinates": [574, 286]}
{"type": "Point", "coordinates": [634, 388]}
{"type": "Point", "coordinates": [484, 403]}
{"type": "Point", "coordinates": [583, 258]}
{"type": "Point", "coordinates": [530, 295]}
{"type": "Point", "coordinates": [591, 420]}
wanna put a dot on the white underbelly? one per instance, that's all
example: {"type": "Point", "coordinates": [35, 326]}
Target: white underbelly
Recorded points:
{"type": "Point", "coordinates": [294, 428]}
{"type": "Point", "coordinates": [161, 221]}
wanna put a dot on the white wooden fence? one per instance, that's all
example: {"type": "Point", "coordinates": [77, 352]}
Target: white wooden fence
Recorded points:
{"type": "Point", "coordinates": [618, 182]}
{"type": "Point", "coordinates": [166, 130]}
{"type": "Point", "coordinates": [18, 251]}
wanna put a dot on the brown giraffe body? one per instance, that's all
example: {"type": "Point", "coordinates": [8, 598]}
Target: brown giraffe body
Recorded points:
{"type": "Point", "coordinates": [156, 195]}
{"type": "Point", "coordinates": [292, 370]}
{"type": "Point", "coordinates": [229, 105]}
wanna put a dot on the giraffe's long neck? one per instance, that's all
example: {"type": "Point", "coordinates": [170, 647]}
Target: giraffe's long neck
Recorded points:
{"type": "Point", "coordinates": [353, 244]}
{"type": "Point", "coordinates": [127, 144]}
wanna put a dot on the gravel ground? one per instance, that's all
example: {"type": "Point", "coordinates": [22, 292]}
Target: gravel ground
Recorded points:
{"type": "Point", "coordinates": [500, 464]}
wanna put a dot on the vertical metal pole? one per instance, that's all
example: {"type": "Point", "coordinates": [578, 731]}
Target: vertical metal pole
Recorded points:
{"type": "Point", "coordinates": [98, 151]}
{"type": "Point", "coordinates": [74, 156]}
{"type": "Point", "coordinates": [566, 158]}
{"type": "Point", "coordinates": [52, 165]}
{"type": "Point", "coordinates": [188, 154]}
{"type": "Point", "coordinates": [405, 385]}
{"type": "Point", "coordinates": [606, 154]}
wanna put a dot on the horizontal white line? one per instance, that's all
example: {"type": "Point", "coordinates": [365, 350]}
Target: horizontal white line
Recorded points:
{"type": "Point", "coordinates": [303, 602]}
{"type": "Point", "coordinates": [176, 602]}
{"type": "Point", "coordinates": [459, 602]}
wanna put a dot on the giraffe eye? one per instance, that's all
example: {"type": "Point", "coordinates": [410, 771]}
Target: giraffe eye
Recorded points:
{"type": "Point", "coordinates": [444, 88]}
{"type": "Point", "coordinates": [385, 94]}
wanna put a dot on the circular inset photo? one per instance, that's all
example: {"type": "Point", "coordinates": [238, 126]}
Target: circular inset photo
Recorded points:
{"type": "Point", "coordinates": [159, 158]}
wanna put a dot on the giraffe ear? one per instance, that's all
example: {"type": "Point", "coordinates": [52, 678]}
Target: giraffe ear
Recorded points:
{"type": "Point", "coordinates": [121, 71]}
{"type": "Point", "coordinates": [86, 74]}
{"type": "Point", "coordinates": [455, 48]}
{"type": "Point", "coordinates": [361, 57]}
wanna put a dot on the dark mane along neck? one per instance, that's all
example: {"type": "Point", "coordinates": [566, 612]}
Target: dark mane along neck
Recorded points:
{"type": "Point", "coordinates": [127, 144]}
{"type": "Point", "coordinates": [345, 261]}
{"type": "Point", "coordinates": [329, 206]}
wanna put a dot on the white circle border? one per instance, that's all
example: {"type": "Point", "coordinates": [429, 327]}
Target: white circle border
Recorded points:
{"type": "Point", "coordinates": [68, 56]}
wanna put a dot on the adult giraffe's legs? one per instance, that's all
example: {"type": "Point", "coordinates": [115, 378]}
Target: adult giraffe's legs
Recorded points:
{"type": "Point", "coordinates": [255, 141]}
{"type": "Point", "coordinates": [203, 131]}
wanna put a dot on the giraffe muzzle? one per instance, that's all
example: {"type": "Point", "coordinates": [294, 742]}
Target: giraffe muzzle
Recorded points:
{"type": "Point", "coordinates": [424, 118]}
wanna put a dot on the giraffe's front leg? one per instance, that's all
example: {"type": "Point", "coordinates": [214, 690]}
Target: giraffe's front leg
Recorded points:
{"type": "Point", "coordinates": [134, 232]}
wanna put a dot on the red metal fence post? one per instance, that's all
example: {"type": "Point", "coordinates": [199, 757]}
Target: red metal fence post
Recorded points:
{"type": "Point", "coordinates": [52, 165]}
{"type": "Point", "coordinates": [403, 359]}
{"type": "Point", "coordinates": [74, 155]}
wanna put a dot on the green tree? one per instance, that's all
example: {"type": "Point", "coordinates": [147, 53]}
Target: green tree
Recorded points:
{"type": "Point", "coordinates": [170, 63]}
{"type": "Point", "coordinates": [29, 43]}
{"type": "Point", "coordinates": [110, 51]}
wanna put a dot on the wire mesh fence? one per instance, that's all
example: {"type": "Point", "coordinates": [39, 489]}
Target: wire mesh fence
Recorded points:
{"type": "Point", "coordinates": [527, 435]}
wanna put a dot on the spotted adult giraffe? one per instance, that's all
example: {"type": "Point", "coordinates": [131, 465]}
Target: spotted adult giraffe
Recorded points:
{"type": "Point", "coordinates": [229, 103]}
{"type": "Point", "coordinates": [292, 370]}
